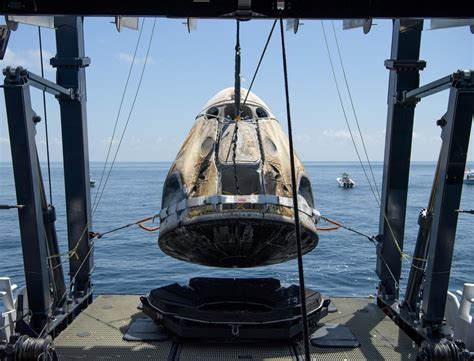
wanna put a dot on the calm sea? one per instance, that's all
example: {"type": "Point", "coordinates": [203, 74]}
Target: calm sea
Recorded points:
{"type": "Point", "coordinates": [130, 261]}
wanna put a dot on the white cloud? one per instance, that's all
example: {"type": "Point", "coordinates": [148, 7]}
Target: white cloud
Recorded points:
{"type": "Point", "coordinates": [107, 141]}
{"type": "Point", "coordinates": [303, 138]}
{"type": "Point", "coordinates": [135, 141]}
{"type": "Point", "coordinates": [128, 58]}
{"type": "Point", "coordinates": [29, 59]}
{"type": "Point", "coordinates": [339, 134]}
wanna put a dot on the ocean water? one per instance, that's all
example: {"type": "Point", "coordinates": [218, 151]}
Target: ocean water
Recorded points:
{"type": "Point", "coordinates": [130, 261]}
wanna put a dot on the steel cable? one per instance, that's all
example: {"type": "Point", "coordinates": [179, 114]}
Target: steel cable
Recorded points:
{"type": "Point", "coordinates": [304, 316]}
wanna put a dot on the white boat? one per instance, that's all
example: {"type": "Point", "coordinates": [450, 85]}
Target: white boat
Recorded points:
{"type": "Point", "coordinates": [469, 176]}
{"type": "Point", "coordinates": [345, 181]}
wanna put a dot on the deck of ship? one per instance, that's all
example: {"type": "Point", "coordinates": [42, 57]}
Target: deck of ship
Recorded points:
{"type": "Point", "coordinates": [97, 334]}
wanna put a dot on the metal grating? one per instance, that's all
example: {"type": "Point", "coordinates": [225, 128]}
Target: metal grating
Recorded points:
{"type": "Point", "coordinates": [238, 352]}
{"type": "Point", "coordinates": [379, 337]}
{"type": "Point", "coordinates": [96, 334]}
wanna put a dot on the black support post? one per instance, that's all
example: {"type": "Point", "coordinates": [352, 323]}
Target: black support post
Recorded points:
{"type": "Point", "coordinates": [70, 62]}
{"type": "Point", "coordinates": [28, 183]}
{"type": "Point", "coordinates": [404, 69]}
{"type": "Point", "coordinates": [455, 135]}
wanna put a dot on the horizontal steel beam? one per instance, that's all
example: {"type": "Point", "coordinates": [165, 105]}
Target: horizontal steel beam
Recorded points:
{"type": "Point", "coordinates": [437, 86]}
{"type": "Point", "coordinates": [20, 75]}
{"type": "Point", "coordinates": [303, 9]}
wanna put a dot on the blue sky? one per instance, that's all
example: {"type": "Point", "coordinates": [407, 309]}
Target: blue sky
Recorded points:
{"type": "Point", "coordinates": [185, 70]}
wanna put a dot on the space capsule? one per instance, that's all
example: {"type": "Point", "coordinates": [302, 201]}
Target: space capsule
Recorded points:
{"type": "Point", "coordinates": [227, 199]}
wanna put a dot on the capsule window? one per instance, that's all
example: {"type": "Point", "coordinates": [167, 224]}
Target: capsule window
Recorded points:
{"type": "Point", "coordinates": [305, 191]}
{"type": "Point", "coordinates": [212, 112]}
{"type": "Point", "coordinates": [261, 113]}
{"type": "Point", "coordinates": [173, 191]}
{"type": "Point", "coordinates": [245, 113]}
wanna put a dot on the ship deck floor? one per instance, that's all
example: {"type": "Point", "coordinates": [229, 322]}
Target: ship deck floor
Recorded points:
{"type": "Point", "coordinates": [97, 334]}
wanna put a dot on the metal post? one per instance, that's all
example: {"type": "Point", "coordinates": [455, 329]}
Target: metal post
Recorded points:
{"type": "Point", "coordinates": [21, 125]}
{"type": "Point", "coordinates": [456, 131]}
{"type": "Point", "coordinates": [404, 75]}
{"type": "Point", "coordinates": [70, 63]}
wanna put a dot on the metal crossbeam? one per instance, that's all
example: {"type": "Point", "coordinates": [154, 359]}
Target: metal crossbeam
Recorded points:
{"type": "Point", "coordinates": [303, 9]}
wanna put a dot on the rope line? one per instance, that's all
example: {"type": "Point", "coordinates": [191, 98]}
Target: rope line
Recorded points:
{"type": "Point", "coordinates": [403, 255]}
{"type": "Point", "coordinates": [344, 110]}
{"type": "Point", "coordinates": [304, 316]}
{"type": "Point", "coordinates": [45, 115]}
{"type": "Point", "coordinates": [140, 223]}
{"type": "Point", "coordinates": [119, 111]}
{"type": "Point", "coordinates": [259, 62]}
{"type": "Point", "coordinates": [356, 118]}
{"type": "Point", "coordinates": [129, 114]}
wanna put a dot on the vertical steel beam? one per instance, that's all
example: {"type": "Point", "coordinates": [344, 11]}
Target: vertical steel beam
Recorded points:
{"type": "Point", "coordinates": [404, 75]}
{"type": "Point", "coordinates": [455, 136]}
{"type": "Point", "coordinates": [70, 62]}
{"type": "Point", "coordinates": [21, 125]}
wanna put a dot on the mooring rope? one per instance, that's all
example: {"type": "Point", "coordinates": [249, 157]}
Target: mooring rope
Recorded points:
{"type": "Point", "coordinates": [139, 223]}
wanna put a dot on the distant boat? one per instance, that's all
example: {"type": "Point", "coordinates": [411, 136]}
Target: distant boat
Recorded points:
{"type": "Point", "coordinates": [345, 181]}
{"type": "Point", "coordinates": [469, 176]}
{"type": "Point", "coordinates": [92, 182]}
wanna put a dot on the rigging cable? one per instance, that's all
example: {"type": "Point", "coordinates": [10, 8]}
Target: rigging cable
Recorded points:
{"type": "Point", "coordinates": [404, 255]}
{"type": "Point", "coordinates": [353, 109]}
{"type": "Point", "coordinates": [45, 117]}
{"type": "Point", "coordinates": [119, 111]}
{"type": "Point", "coordinates": [237, 95]}
{"type": "Point", "coordinates": [304, 317]}
{"type": "Point", "coordinates": [237, 71]}
{"type": "Point", "coordinates": [259, 62]}
{"type": "Point", "coordinates": [372, 239]}
{"type": "Point", "coordinates": [344, 111]}
{"type": "Point", "coordinates": [128, 117]}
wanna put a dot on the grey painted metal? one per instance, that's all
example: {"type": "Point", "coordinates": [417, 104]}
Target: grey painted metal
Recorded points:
{"type": "Point", "coordinates": [21, 124]}
{"type": "Point", "coordinates": [404, 76]}
{"type": "Point", "coordinates": [70, 62]}
{"type": "Point", "coordinates": [425, 218]}
{"type": "Point", "coordinates": [429, 89]}
{"type": "Point", "coordinates": [455, 136]}
{"type": "Point", "coordinates": [302, 9]}
{"type": "Point", "coordinates": [48, 86]}
{"type": "Point", "coordinates": [39, 82]}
